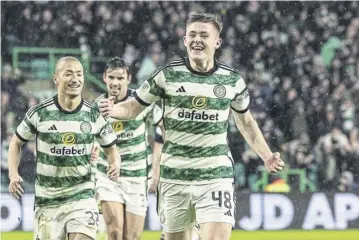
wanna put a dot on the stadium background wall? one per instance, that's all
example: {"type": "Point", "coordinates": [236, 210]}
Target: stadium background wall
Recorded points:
{"type": "Point", "coordinates": [255, 211]}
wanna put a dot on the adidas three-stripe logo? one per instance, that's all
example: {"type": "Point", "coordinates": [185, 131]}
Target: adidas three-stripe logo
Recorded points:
{"type": "Point", "coordinates": [228, 213]}
{"type": "Point", "coordinates": [181, 89]}
{"type": "Point", "coordinates": [53, 127]}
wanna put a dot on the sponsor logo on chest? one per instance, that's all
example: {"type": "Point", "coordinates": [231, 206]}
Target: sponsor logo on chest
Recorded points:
{"type": "Point", "coordinates": [199, 103]}
{"type": "Point", "coordinates": [68, 139]}
{"type": "Point", "coordinates": [119, 128]}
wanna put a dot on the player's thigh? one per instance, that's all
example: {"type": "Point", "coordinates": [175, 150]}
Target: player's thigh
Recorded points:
{"type": "Point", "coordinates": [183, 235]}
{"type": "Point", "coordinates": [215, 231]}
{"type": "Point", "coordinates": [79, 236]}
{"type": "Point", "coordinates": [111, 199]}
{"type": "Point", "coordinates": [83, 219]}
{"type": "Point", "coordinates": [133, 226]}
{"type": "Point", "coordinates": [136, 202]}
{"type": "Point", "coordinates": [47, 225]}
{"type": "Point", "coordinates": [113, 214]}
{"type": "Point", "coordinates": [108, 191]}
{"type": "Point", "coordinates": [175, 209]}
{"type": "Point", "coordinates": [136, 208]}
{"type": "Point", "coordinates": [215, 203]}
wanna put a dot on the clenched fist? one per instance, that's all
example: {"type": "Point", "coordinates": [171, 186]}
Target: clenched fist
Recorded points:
{"type": "Point", "coordinates": [106, 106]}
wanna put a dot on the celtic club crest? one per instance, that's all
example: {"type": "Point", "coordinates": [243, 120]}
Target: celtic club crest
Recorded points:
{"type": "Point", "coordinates": [219, 91]}
{"type": "Point", "coordinates": [85, 127]}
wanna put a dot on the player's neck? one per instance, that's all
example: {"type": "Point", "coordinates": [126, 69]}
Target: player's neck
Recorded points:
{"type": "Point", "coordinates": [68, 103]}
{"type": "Point", "coordinates": [122, 96]}
{"type": "Point", "coordinates": [202, 66]}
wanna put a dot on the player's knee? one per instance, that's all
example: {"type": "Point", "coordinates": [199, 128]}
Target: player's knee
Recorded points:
{"type": "Point", "coordinates": [214, 238]}
{"type": "Point", "coordinates": [132, 235]}
{"type": "Point", "coordinates": [115, 232]}
{"type": "Point", "coordinates": [79, 236]}
{"type": "Point", "coordinates": [219, 235]}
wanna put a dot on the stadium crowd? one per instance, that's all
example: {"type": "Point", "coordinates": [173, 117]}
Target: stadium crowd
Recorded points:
{"type": "Point", "coordinates": [300, 61]}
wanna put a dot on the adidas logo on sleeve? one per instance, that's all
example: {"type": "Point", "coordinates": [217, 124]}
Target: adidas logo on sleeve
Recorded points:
{"type": "Point", "coordinates": [53, 128]}
{"type": "Point", "coordinates": [181, 89]}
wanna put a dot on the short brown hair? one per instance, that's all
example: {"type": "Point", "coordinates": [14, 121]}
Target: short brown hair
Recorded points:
{"type": "Point", "coordinates": [117, 62]}
{"type": "Point", "coordinates": [206, 18]}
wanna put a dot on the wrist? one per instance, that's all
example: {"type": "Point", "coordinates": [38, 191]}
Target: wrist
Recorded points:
{"type": "Point", "coordinates": [155, 176]}
{"type": "Point", "coordinates": [155, 180]}
{"type": "Point", "coordinates": [13, 174]}
{"type": "Point", "coordinates": [112, 161]}
{"type": "Point", "coordinates": [267, 156]}
{"type": "Point", "coordinates": [113, 165]}
{"type": "Point", "coordinates": [155, 171]}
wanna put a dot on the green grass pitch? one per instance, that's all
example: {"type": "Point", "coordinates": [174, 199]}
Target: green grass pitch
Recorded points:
{"type": "Point", "coordinates": [240, 235]}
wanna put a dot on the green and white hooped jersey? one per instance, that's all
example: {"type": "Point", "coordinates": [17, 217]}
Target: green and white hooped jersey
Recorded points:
{"type": "Point", "coordinates": [64, 142]}
{"type": "Point", "coordinates": [196, 107]}
{"type": "Point", "coordinates": [132, 143]}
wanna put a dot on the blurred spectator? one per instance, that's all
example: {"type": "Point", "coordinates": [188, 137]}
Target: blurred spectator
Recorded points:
{"type": "Point", "coordinates": [302, 157]}
{"type": "Point", "coordinates": [334, 155]}
{"type": "Point", "coordinates": [346, 182]}
{"type": "Point", "coordinates": [13, 107]}
{"type": "Point", "coordinates": [252, 162]}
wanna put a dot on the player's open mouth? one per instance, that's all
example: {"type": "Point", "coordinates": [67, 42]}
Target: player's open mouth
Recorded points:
{"type": "Point", "coordinates": [197, 48]}
{"type": "Point", "coordinates": [115, 89]}
{"type": "Point", "coordinates": [74, 86]}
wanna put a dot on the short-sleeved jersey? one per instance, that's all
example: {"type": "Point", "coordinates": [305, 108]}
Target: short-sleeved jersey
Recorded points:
{"type": "Point", "coordinates": [196, 108]}
{"type": "Point", "coordinates": [132, 142]}
{"type": "Point", "coordinates": [64, 142]}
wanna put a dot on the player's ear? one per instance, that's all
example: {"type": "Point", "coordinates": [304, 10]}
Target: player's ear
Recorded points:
{"type": "Point", "coordinates": [54, 78]}
{"type": "Point", "coordinates": [218, 43]}
{"type": "Point", "coordinates": [104, 76]}
{"type": "Point", "coordinates": [185, 40]}
{"type": "Point", "coordinates": [129, 78]}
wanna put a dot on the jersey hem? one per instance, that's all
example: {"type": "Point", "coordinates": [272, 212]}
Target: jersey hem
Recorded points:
{"type": "Point", "coordinates": [41, 205]}
{"type": "Point", "coordinates": [142, 179]}
{"type": "Point", "coordinates": [200, 182]}
{"type": "Point", "coordinates": [135, 179]}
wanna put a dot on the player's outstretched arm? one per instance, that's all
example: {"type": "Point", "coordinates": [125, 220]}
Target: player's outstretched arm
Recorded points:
{"type": "Point", "coordinates": [124, 111]}
{"type": "Point", "coordinates": [254, 137]}
{"type": "Point", "coordinates": [114, 162]}
{"type": "Point", "coordinates": [13, 163]}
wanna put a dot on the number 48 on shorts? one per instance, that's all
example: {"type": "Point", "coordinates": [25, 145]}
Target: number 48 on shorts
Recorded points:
{"type": "Point", "coordinates": [225, 200]}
